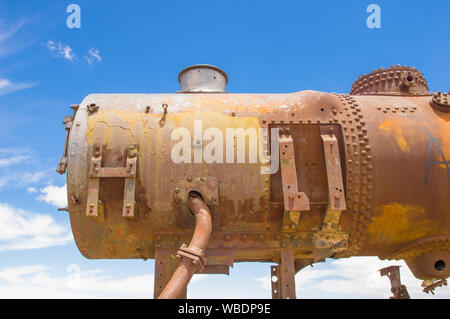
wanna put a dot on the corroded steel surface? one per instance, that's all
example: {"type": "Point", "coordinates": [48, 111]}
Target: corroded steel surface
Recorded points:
{"type": "Point", "coordinates": [394, 80]}
{"type": "Point", "coordinates": [394, 152]}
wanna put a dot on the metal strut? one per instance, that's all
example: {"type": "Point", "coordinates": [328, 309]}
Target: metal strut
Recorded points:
{"type": "Point", "coordinates": [330, 239]}
{"type": "Point", "coordinates": [283, 277]}
{"type": "Point", "coordinates": [294, 201]}
{"type": "Point", "coordinates": [399, 290]}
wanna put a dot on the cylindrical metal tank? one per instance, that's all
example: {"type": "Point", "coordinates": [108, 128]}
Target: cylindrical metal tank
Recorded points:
{"type": "Point", "coordinates": [351, 175]}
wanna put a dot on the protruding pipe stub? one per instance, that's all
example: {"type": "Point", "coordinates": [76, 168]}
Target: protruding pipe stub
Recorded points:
{"type": "Point", "coordinates": [203, 78]}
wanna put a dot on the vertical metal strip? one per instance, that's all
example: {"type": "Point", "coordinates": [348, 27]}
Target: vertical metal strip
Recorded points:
{"type": "Point", "coordinates": [92, 201]}
{"type": "Point", "coordinates": [275, 280]}
{"type": "Point", "coordinates": [294, 201]}
{"type": "Point", "coordinates": [334, 170]}
{"type": "Point", "coordinates": [287, 275]}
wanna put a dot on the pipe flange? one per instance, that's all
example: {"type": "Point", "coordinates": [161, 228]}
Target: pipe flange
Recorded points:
{"type": "Point", "coordinates": [197, 255]}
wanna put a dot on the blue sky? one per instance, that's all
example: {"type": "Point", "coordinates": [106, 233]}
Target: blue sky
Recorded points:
{"type": "Point", "coordinates": [140, 47]}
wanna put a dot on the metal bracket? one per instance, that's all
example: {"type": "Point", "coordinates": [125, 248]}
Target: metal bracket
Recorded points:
{"type": "Point", "coordinates": [208, 187]}
{"type": "Point", "coordinates": [294, 201]}
{"type": "Point", "coordinates": [283, 277]}
{"type": "Point", "coordinates": [431, 285]}
{"type": "Point", "coordinates": [275, 280]}
{"type": "Point", "coordinates": [399, 290]}
{"type": "Point", "coordinates": [67, 121]}
{"type": "Point", "coordinates": [329, 239]}
{"type": "Point", "coordinates": [128, 172]}
{"type": "Point", "coordinates": [334, 171]}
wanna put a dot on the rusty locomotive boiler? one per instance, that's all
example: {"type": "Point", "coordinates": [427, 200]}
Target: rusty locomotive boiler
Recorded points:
{"type": "Point", "coordinates": [201, 178]}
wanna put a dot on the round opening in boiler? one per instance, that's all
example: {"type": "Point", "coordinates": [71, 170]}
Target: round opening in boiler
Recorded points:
{"type": "Point", "coordinates": [439, 265]}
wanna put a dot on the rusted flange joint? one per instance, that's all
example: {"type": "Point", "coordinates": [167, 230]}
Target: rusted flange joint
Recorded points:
{"type": "Point", "coordinates": [197, 255]}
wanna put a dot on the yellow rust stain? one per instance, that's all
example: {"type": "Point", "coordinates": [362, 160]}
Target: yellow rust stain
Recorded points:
{"type": "Point", "coordinates": [413, 135]}
{"type": "Point", "coordinates": [443, 135]}
{"type": "Point", "coordinates": [215, 119]}
{"type": "Point", "coordinates": [104, 125]}
{"type": "Point", "coordinates": [395, 128]}
{"type": "Point", "coordinates": [399, 223]}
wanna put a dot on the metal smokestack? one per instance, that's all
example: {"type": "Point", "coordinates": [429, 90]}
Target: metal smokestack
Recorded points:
{"type": "Point", "coordinates": [203, 78]}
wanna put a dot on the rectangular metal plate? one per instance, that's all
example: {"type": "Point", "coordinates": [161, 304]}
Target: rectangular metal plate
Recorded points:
{"type": "Point", "coordinates": [334, 171]}
{"type": "Point", "coordinates": [92, 201]}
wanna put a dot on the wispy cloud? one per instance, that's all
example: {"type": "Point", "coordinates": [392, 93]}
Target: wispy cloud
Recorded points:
{"type": "Point", "coordinates": [31, 190]}
{"type": "Point", "coordinates": [20, 230]}
{"type": "Point", "coordinates": [7, 87]}
{"type": "Point", "coordinates": [6, 33]}
{"type": "Point", "coordinates": [37, 281]}
{"type": "Point", "coordinates": [14, 159]}
{"type": "Point", "coordinates": [19, 168]}
{"type": "Point", "coordinates": [93, 56]}
{"type": "Point", "coordinates": [7, 46]}
{"type": "Point", "coordinates": [54, 195]}
{"type": "Point", "coordinates": [61, 50]}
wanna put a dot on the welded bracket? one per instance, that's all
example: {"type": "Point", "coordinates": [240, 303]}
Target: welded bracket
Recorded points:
{"type": "Point", "coordinates": [399, 290]}
{"type": "Point", "coordinates": [329, 239]}
{"type": "Point", "coordinates": [294, 201]}
{"type": "Point", "coordinates": [96, 172]}
{"type": "Point", "coordinates": [283, 277]}
{"type": "Point", "coordinates": [334, 170]}
{"type": "Point", "coordinates": [68, 122]}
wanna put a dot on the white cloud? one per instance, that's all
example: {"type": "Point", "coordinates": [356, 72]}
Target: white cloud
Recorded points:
{"type": "Point", "coordinates": [12, 159]}
{"type": "Point", "coordinates": [54, 195]}
{"type": "Point", "coordinates": [21, 178]}
{"type": "Point", "coordinates": [7, 87]}
{"type": "Point", "coordinates": [61, 50]}
{"type": "Point", "coordinates": [36, 281]}
{"type": "Point", "coordinates": [19, 167]}
{"type": "Point", "coordinates": [7, 32]}
{"type": "Point", "coordinates": [93, 56]}
{"type": "Point", "coordinates": [356, 277]}
{"type": "Point", "coordinates": [31, 190]}
{"type": "Point", "coordinates": [25, 230]}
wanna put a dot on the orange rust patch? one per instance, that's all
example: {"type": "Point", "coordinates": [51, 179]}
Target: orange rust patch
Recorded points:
{"type": "Point", "coordinates": [395, 128]}
{"type": "Point", "coordinates": [398, 223]}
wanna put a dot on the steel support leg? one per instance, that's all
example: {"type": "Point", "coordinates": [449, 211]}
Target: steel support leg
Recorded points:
{"type": "Point", "coordinates": [283, 277]}
{"type": "Point", "coordinates": [165, 265]}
